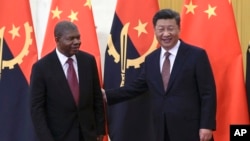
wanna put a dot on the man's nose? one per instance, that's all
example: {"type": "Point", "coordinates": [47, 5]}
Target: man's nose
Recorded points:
{"type": "Point", "coordinates": [166, 32]}
{"type": "Point", "coordinates": [76, 41]}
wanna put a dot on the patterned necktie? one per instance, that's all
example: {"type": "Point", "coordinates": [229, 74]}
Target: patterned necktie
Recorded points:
{"type": "Point", "coordinates": [166, 71]}
{"type": "Point", "coordinates": [72, 80]}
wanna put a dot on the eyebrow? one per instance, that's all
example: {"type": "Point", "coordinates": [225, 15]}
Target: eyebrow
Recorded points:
{"type": "Point", "coordinates": [160, 26]}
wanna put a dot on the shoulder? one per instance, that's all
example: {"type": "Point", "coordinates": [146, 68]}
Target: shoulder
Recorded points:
{"type": "Point", "coordinates": [193, 51]}
{"type": "Point", "coordinates": [154, 53]}
{"type": "Point", "coordinates": [47, 58]}
{"type": "Point", "coordinates": [191, 46]}
{"type": "Point", "coordinates": [85, 56]}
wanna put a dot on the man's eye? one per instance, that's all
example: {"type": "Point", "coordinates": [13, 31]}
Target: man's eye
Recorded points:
{"type": "Point", "coordinates": [161, 29]}
{"type": "Point", "coordinates": [69, 39]}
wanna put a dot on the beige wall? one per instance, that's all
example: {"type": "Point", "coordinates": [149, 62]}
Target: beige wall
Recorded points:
{"type": "Point", "coordinates": [242, 16]}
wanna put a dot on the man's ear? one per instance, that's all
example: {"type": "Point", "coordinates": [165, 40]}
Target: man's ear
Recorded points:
{"type": "Point", "coordinates": [57, 39]}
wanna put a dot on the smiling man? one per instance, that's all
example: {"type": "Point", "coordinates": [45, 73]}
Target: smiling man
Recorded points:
{"type": "Point", "coordinates": [181, 85]}
{"type": "Point", "coordinates": [66, 98]}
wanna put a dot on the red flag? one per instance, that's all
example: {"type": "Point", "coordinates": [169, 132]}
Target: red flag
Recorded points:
{"type": "Point", "coordinates": [80, 13]}
{"type": "Point", "coordinates": [211, 25]}
{"type": "Point", "coordinates": [18, 33]}
{"type": "Point", "coordinates": [18, 52]}
{"type": "Point", "coordinates": [131, 39]}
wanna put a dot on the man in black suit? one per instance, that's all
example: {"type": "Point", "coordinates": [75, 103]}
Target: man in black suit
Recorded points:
{"type": "Point", "coordinates": [185, 110]}
{"type": "Point", "coordinates": [56, 114]}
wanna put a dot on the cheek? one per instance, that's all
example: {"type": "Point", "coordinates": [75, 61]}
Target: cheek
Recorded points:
{"type": "Point", "coordinates": [66, 44]}
{"type": "Point", "coordinates": [177, 33]}
{"type": "Point", "coordinates": [61, 43]}
{"type": "Point", "coordinates": [158, 35]}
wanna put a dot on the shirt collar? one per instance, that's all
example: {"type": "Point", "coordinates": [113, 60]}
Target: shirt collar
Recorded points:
{"type": "Point", "coordinates": [64, 58]}
{"type": "Point", "coordinates": [173, 50]}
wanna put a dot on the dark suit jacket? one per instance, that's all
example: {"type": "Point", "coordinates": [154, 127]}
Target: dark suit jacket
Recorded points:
{"type": "Point", "coordinates": [54, 113]}
{"type": "Point", "coordinates": [190, 101]}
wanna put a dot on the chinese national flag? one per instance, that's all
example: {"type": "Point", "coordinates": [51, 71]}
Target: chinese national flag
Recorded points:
{"type": "Point", "coordinates": [80, 13]}
{"type": "Point", "coordinates": [131, 39]}
{"type": "Point", "coordinates": [210, 24]}
{"type": "Point", "coordinates": [18, 52]}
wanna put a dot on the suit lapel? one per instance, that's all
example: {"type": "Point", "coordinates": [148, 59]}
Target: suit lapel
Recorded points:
{"type": "Point", "coordinates": [82, 63]}
{"type": "Point", "coordinates": [179, 61]}
{"type": "Point", "coordinates": [58, 70]}
{"type": "Point", "coordinates": [154, 65]}
{"type": "Point", "coordinates": [60, 76]}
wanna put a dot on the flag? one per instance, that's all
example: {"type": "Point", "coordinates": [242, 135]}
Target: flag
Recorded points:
{"type": "Point", "coordinates": [248, 77]}
{"type": "Point", "coordinates": [80, 13]}
{"type": "Point", "coordinates": [18, 52]}
{"type": "Point", "coordinates": [211, 25]}
{"type": "Point", "coordinates": [131, 39]}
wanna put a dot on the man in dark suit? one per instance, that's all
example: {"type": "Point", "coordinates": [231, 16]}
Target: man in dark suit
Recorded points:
{"type": "Point", "coordinates": [57, 114]}
{"type": "Point", "coordinates": [185, 110]}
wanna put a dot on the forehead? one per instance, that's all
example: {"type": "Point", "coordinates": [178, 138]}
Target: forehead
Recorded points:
{"type": "Point", "coordinates": [166, 22]}
{"type": "Point", "coordinates": [70, 32]}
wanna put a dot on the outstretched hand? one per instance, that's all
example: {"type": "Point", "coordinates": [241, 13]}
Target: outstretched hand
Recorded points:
{"type": "Point", "coordinates": [99, 138]}
{"type": "Point", "coordinates": [104, 95]}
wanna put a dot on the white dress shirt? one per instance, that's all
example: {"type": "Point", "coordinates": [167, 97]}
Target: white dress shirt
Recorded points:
{"type": "Point", "coordinates": [63, 60]}
{"type": "Point", "coordinates": [173, 52]}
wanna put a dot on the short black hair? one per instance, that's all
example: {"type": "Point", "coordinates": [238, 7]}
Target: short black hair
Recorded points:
{"type": "Point", "coordinates": [167, 14]}
{"type": "Point", "coordinates": [63, 26]}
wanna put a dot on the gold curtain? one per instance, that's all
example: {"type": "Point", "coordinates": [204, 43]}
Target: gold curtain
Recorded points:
{"type": "Point", "coordinates": [242, 17]}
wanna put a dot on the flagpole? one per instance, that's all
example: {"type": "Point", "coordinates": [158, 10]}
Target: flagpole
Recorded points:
{"type": "Point", "coordinates": [1, 50]}
{"type": "Point", "coordinates": [247, 76]}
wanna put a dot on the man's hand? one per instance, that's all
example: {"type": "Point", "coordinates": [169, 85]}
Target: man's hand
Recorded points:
{"type": "Point", "coordinates": [205, 134]}
{"type": "Point", "coordinates": [104, 95]}
{"type": "Point", "coordinates": [99, 138]}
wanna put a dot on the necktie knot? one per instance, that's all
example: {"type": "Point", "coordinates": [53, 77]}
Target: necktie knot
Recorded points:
{"type": "Point", "coordinates": [70, 61]}
{"type": "Point", "coordinates": [167, 54]}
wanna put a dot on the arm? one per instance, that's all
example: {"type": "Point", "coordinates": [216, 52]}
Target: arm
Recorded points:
{"type": "Point", "coordinates": [137, 87]}
{"type": "Point", "coordinates": [38, 112]}
{"type": "Point", "coordinates": [98, 104]}
{"type": "Point", "coordinates": [207, 90]}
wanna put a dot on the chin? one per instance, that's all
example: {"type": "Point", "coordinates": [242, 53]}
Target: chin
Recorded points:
{"type": "Point", "coordinates": [75, 51]}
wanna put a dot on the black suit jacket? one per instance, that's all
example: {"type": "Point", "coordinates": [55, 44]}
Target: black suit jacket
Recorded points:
{"type": "Point", "coordinates": [54, 113]}
{"type": "Point", "coordinates": [190, 100]}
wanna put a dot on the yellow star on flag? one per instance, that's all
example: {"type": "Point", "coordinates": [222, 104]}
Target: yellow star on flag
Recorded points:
{"type": "Point", "coordinates": [190, 7]}
{"type": "Point", "coordinates": [210, 11]}
{"type": "Point", "coordinates": [88, 3]}
{"type": "Point", "coordinates": [73, 16]}
{"type": "Point", "coordinates": [141, 27]}
{"type": "Point", "coordinates": [14, 31]}
{"type": "Point", "coordinates": [56, 13]}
